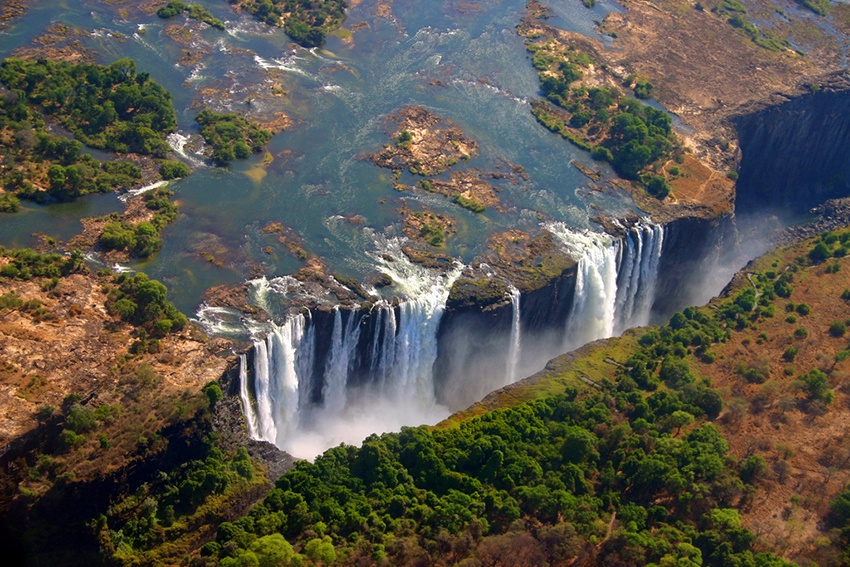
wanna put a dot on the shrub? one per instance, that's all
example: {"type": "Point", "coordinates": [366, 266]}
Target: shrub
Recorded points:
{"type": "Point", "coordinates": [838, 328]}
{"type": "Point", "coordinates": [9, 203]}
{"type": "Point", "coordinates": [601, 153]}
{"type": "Point", "coordinates": [790, 354]}
{"type": "Point", "coordinates": [470, 204]}
{"type": "Point", "coordinates": [213, 393]}
{"type": "Point", "coordinates": [803, 309]}
{"type": "Point", "coordinates": [819, 253]}
{"type": "Point", "coordinates": [643, 89]}
{"type": "Point", "coordinates": [171, 9]}
{"type": "Point", "coordinates": [657, 186]}
{"type": "Point", "coordinates": [801, 333]}
{"type": "Point", "coordinates": [170, 169]}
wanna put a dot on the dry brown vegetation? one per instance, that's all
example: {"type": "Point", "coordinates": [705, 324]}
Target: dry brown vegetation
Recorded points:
{"type": "Point", "coordinates": [71, 345]}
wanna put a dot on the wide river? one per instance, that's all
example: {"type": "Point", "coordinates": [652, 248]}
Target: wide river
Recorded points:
{"type": "Point", "coordinates": [462, 60]}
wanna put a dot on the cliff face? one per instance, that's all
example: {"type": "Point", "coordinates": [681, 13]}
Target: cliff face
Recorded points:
{"type": "Point", "coordinates": [795, 156]}
{"type": "Point", "coordinates": [696, 261]}
{"type": "Point", "coordinates": [474, 343]}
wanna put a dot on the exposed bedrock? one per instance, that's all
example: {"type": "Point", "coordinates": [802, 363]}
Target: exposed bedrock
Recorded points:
{"type": "Point", "coordinates": [794, 156]}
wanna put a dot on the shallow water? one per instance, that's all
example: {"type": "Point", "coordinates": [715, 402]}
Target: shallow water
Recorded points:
{"type": "Point", "coordinates": [339, 98]}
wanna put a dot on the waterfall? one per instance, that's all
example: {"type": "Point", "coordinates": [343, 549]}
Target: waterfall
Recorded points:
{"type": "Point", "coordinates": [372, 363]}
{"type": "Point", "coordinates": [247, 408]}
{"type": "Point", "coordinates": [343, 344]}
{"type": "Point", "coordinates": [615, 280]}
{"type": "Point", "coordinates": [515, 337]}
{"type": "Point", "coordinates": [638, 274]}
{"type": "Point", "coordinates": [339, 373]}
{"type": "Point", "coordinates": [279, 392]}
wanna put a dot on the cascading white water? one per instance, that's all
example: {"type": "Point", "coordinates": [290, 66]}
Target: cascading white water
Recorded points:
{"type": "Point", "coordinates": [305, 407]}
{"type": "Point", "coordinates": [515, 345]}
{"type": "Point", "coordinates": [343, 345]}
{"type": "Point", "coordinates": [638, 274]}
{"type": "Point", "coordinates": [615, 280]}
{"type": "Point", "coordinates": [247, 409]}
{"type": "Point", "coordinates": [278, 389]}
{"type": "Point", "coordinates": [410, 343]}
{"type": "Point", "coordinates": [399, 388]}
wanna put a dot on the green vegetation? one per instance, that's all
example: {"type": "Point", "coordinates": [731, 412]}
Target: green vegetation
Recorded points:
{"type": "Point", "coordinates": [601, 120]}
{"type": "Point", "coordinates": [170, 169]}
{"type": "Point", "coordinates": [307, 23]}
{"type": "Point", "coordinates": [143, 302]}
{"type": "Point", "coordinates": [735, 13]}
{"type": "Point", "coordinates": [643, 89]}
{"type": "Point", "coordinates": [141, 239]}
{"type": "Point", "coordinates": [840, 520]}
{"type": "Point", "coordinates": [106, 107]}
{"type": "Point", "coordinates": [433, 235]}
{"type": "Point", "coordinates": [819, 7]}
{"type": "Point", "coordinates": [543, 478]}
{"type": "Point", "coordinates": [469, 203]}
{"type": "Point", "coordinates": [27, 264]}
{"type": "Point", "coordinates": [196, 12]}
{"type": "Point", "coordinates": [231, 136]}
{"type": "Point", "coordinates": [9, 203]}
{"type": "Point", "coordinates": [171, 9]}
{"type": "Point", "coordinates": [404, 139]}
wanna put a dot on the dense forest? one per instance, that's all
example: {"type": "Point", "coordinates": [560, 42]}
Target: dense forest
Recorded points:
{"type": "Point", "coordinates": [107, 107]}
{"type": "Point", "coordinates": [306, 22]}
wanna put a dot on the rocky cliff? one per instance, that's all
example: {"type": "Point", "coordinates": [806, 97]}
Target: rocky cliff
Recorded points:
{"type": "Point", "coordinates": [796, 155]}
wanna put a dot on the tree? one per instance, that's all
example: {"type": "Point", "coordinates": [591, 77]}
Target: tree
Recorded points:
{"type": "Point", "coordinates": [680, 419]}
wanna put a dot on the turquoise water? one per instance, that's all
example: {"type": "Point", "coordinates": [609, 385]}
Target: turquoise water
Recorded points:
{"type": "Point", "coordinates": [339, 98]}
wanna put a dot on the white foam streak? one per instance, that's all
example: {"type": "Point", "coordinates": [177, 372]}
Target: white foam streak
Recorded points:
{"type": "Point", "coordinates": [178, 142]}
{"type": "Point", "coordinates": [515, 340]}
{"type": "Point", "coordinates": [247, 407]}
{"type": "Point", "coordinates": [141, 190]}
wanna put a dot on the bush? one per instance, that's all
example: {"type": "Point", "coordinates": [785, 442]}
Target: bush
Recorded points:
{"type": "Point", "coordinates": [819, 253]}
{"type": "Point", "coordinates": [470, 204]}
{"type": "Point", "coordinates": [213, 393]}
{"type": "Point", "coordinates": [838, 328]}
{"type": "Point", "coordinates": [170, 169]}
{"type": "Point", "coordinates": [171, 9]}
{"type": "Point", "coordinates": [601, 153]}
{"type": "Point", "coordinates": [657, 186]}
{"type": "Point", "coordinates": [643, 89]}
{"type": "Point", "coordinates": [9, 203]}
{"type": "Point", "coordinates": [790, 354]}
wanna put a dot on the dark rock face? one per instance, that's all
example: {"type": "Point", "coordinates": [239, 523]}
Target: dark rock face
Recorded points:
{"type": "Point", "coordinates": [795, 156]}
{"type": "Point", "coordinates": [698, 257]}
{"type": "Point", "coordinates": [474, 343]}
{"type": "Point", "coordinates": [229, 423]}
